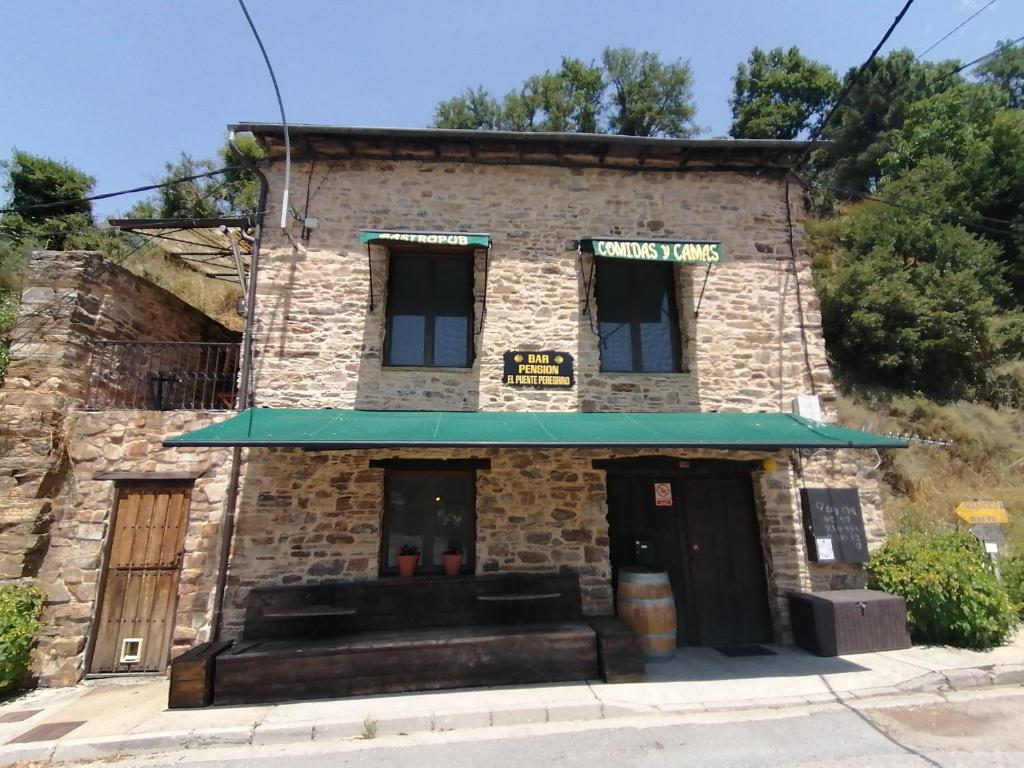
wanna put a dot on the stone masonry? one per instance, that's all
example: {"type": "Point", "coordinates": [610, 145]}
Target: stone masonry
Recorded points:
{"type": "Point", "coordinates": [753, 345]}
{"type": "Point", "coordinates": [54, 514]}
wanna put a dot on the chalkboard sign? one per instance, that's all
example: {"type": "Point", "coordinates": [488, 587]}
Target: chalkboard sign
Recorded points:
{"type": "Point", "coordinates": [834, 525]}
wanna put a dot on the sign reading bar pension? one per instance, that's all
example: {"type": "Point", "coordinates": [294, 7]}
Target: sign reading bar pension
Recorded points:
{"type": "Point", "coordinates": [682, 252]}
{"type": "Point", "coordinates": [538, 369]}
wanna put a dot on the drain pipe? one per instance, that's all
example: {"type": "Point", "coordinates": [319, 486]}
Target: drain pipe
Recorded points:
{"type": "Point", "coordinates": [227, 527]}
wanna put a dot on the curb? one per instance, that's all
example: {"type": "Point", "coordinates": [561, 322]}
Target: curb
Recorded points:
{"type": "Point", "coordinates": [265, 734]}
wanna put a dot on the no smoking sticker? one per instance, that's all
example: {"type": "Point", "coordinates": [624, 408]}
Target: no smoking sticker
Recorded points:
{"type": "Point", "coordinates": [663, 494]}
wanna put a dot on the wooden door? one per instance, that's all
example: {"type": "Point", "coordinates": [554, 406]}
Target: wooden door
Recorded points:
{"type": "Point", "coordinates": [708, 542]}
{"type": "Point", "coordinates": [140, 584]}
{"type": "Point", "coordinates": [726, 588]}
{"type": "Point", "coordinates": [634, 517]}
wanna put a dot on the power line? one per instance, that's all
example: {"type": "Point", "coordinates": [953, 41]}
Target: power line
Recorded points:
{"type": "Point", "coordinates": [955, 29]}
{"type": "Point", "coordinates": [849, 86]}
{"type": "Point", "coordinates": [990, 54]}
{"type": "Point", "coordinates": [107, 195]}
{"type": "Point", "coordinates": [965, 220]}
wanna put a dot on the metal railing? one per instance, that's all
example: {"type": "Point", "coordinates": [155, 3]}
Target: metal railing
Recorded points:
{"type": "Point", "coordinates": [163, 376]}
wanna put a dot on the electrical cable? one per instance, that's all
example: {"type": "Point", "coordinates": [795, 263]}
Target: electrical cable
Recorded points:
{"type": "Point", "coordinates": [849, 87]}
{"type": "Point", "coordinates": [108, 195]}
{"type": "Point", "coordinates": [955, 29]}
{"type": "Point", "coordinates": [853, 193]}
{"type": "Point", "coordinates": [990, 54]}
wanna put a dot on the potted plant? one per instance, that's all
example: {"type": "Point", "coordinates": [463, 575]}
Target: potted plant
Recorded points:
{"type": "Point", "coordinates": [408, 557]}
{"type": "Point", "coordinates": [452, 559]}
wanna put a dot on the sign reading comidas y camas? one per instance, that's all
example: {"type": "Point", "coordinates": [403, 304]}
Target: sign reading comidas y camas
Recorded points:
{"type": "Point", "coordinates": [682, 251]}
{"type": "Point", "coordinates": [545, 368]}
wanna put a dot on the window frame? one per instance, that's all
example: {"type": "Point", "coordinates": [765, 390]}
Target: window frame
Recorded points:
{"type": "Point", "coordinates": [635, 269]}
{"type": "Point", "coordinates": [468, 566]}
{"type": "Point", "coordinates": [431, 257]}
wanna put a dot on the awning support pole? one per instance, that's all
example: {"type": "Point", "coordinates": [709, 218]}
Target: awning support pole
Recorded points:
{"type": "Point", "coordinates": [487, 272]}
{"type": "Point", "coordinates": [696, 312]}
{"type": "Point", "coordinates": [369, 267]}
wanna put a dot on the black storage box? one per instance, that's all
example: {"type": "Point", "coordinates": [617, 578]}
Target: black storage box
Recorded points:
{"type": "Point", "coordinates": [848, 621]}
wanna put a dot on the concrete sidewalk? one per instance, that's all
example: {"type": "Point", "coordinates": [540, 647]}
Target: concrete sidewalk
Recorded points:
{"type": "Point", "coordinates": [101, 718]}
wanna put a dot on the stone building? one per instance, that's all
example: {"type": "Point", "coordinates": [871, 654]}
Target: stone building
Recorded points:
{"type": "Point", "coordinates": [548, 352]}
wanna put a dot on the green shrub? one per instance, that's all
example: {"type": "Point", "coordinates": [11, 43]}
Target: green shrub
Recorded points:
{"type": "Point", "coordinates": [19, 619]}
{"type": "Point", "coordinates": [953, 597]}
{"type": "Point", "coordinates": [1013, 579]}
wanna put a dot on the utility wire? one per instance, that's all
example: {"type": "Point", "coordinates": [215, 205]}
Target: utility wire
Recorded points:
{"type": "Point", "coordinates": [107, 195]}
{"type": "Point", "coordinates": [947, 218]}
{"type": "Point", "coordinates": [859, 194]}
{"type": "Point", "coordinates": [849, 86]}
{"type": "Point", "coordinates": [955, 29]}
{"type": "Point", "coordinates": [989, 55]}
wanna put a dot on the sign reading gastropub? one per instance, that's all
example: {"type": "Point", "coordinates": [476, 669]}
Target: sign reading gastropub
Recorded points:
{"type": "Point", "coordinates": [538, 369]}
{"type": "Point", "coordinates": [682, 252]}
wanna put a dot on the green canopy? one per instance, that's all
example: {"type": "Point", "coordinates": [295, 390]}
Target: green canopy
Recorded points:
{"type": "Point", "coordinates": [379, 236]}
{"type": "Point", "coordinates": [328, 428]}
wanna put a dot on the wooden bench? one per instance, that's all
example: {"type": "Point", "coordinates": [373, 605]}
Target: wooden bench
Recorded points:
{"type": "Point", "coordinates": [424, 633]}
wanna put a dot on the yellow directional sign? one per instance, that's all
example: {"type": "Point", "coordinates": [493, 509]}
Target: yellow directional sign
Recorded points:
{"type": "Point", "coordinates": [986, 512]}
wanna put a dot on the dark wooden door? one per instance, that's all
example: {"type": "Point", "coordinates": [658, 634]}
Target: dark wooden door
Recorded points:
{"type": "Point", "coordinates": [726, 588]}
{"type": "Point", "coordinates": [707, 541]}
{"type": "Point", "coordinates": [643, 533]}
{"type": "Point", "coordinates": [140, 585]}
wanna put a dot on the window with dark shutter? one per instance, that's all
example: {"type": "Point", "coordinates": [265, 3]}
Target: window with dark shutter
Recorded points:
{"type": "Point", "coordinates": [637, 319]}
{"type": "Point", "coordinates": [430, 311]}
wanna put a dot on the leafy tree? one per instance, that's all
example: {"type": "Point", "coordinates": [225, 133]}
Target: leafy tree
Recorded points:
{"type": "Point", "coordinates": [234, 193]}
{"type": "Point", "coordinates": [1006, 71]}
{"type": "Point", "coordinates": [473, 109]}
{"type": "Point", "coordinates": [630, 92]}
{"type": "Point", "coordinates": [983, 179]}
{"type": "Point", "coordinates": [649, 97]}
{"type": "Point", "coordinates": [875, 106]}
{"type": "Point", "coordinates": [907, 299]}
{"type": "Point", "coordinates": [779, 94]}
{"type": "Point", "coordinates": [48, 194]}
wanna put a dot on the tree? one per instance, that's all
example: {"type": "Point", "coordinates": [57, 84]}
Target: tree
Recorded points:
{"type": "Point", "coordinates": [48, 195]}
{"type": "Point", "coordinates": [1005, 70]}
{"type": "Point", "coordinates": [780, 94]}
{"type": "Point", "coordinates": [875, 106]}
{"type": "Point", "coordinates": [473, 109]}
{"type": "Point", "coordinates": [907, 299]}
{"type": "Point", "coordinates": [630, 92]}
{"type": "Point", "coordinates": [649, 97]}
{"type": "Point", "coordinates": [234, 193]}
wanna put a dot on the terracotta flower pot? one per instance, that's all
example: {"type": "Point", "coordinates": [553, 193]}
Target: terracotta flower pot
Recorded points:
{"type": "Point", "coordinates": [452, 563]}
{"type": "Point", "coordinates": [407, 565]}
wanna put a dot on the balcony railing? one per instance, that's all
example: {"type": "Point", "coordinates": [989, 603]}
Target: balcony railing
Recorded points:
{"type": "Point", "coordinates": [163, 376]}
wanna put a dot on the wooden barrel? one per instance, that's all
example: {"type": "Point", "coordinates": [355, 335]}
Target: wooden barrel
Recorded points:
{"type": "Point", "coordinates": [646, 604]}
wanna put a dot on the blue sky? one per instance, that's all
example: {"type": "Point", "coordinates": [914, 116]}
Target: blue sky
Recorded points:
{"type": "Point", "coordinates": [118, 87]}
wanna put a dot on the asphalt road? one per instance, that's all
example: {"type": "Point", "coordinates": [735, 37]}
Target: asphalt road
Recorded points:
{"type": "Point", "coordinates": [970, 729]}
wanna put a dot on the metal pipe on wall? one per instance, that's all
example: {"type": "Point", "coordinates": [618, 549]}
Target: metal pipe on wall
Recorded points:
{"type": "Point", "coordinates": [244, 386]}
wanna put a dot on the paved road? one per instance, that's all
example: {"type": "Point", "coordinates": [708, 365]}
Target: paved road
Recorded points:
{"type": "Point", "coordinates": [970, 729]}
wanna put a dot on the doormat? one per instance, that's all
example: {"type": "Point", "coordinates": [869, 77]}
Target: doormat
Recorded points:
{"type": "Point", "coordinates": [735, 651]}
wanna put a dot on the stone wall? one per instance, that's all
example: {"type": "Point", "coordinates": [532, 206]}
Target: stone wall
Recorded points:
{"type": "Point", "coordinates": [70, 299]}
{"type": "Point", "coordinates": [321, 344]}
{"type": "Point", "coordinates": [124, 441]}
{"type": "Point", "coordinates": [306, 517]}
{"type": "Point", "coordinates": [54, 514]}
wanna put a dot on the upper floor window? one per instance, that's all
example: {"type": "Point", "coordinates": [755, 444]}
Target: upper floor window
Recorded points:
{"type": "Point", "coordinates": [430, 311]}
{"type": "Point", "coordinates": [638, 322]}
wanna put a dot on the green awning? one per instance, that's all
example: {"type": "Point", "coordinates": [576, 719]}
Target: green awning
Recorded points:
{"type": "Point", "coordinates": [465, 239]}
{"type": "Point", "coordinates": [336, 429]}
